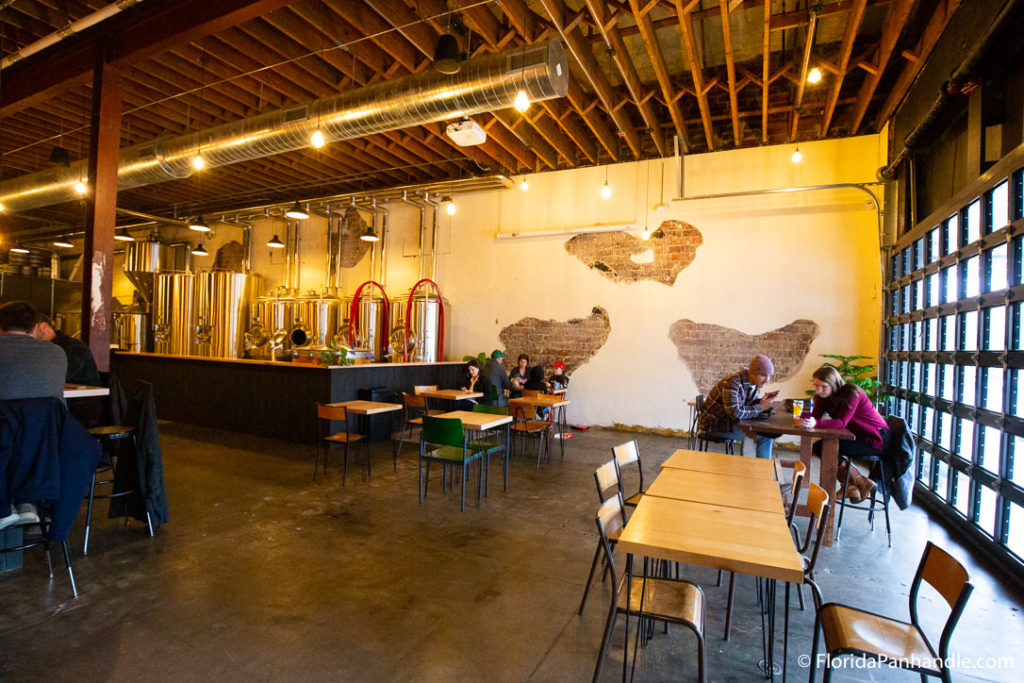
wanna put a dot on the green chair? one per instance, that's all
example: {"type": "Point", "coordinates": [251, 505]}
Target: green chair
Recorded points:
{"type": "Point", "coordinates": [491, 442]}
{"type": "Point", "coordinates": [444, 440]}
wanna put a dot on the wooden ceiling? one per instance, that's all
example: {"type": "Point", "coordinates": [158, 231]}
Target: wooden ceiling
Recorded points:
{"type": "Point", "coordinates": [710, 74]}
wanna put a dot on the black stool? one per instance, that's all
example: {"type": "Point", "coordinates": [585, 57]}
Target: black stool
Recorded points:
{"type": "Point", "coordinates": [872, 505]}
{"type": "Point", "coordinates": [107, 436]}
{"type": "Point", "coordinates": [32, 540]}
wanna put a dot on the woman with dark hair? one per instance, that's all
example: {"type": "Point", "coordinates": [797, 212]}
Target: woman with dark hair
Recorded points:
{"type": "Point", "coordinates": [470, 382]}
{"type": "Point", "coordinates": [518, 376]}
{"type": "Point", "coordinates": [847, 406]}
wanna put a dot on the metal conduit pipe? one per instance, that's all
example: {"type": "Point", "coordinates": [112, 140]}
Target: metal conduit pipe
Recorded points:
{"type": "Point", "coordinates": [483, 84]}
{"type": "Point", "coordinates": [71, 29]}
{"type": "Point", "coordinates": [433, 236]}
{"type": "Point", "coordinates": [808, 47]}
{"type": "Point", "coordinates": [379, 228]}
{"type": "Point", "coordinates": [418, 203]}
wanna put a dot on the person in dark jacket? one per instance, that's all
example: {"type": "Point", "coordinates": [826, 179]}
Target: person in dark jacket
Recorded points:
{"type": "Point", "coordinates": [81, 370]}
{"type": "Point", "coordinates": [518, 376]}
{"type": "Point", "coordinates": [494, 381]}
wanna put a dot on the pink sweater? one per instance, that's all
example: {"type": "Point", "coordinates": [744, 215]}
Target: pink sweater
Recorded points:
{"type": "Point", "coordinates": [861, 418]}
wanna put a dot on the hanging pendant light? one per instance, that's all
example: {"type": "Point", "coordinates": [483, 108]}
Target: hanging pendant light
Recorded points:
{"type": "Point", "coordinates": [814, 75]}
{"type": "Point", "coordinates": [606, 190]}
{"type": "Point", "coordinates": [450, 209]}
{"type": "Point", "coordinates": [123, 236]}
{"type": "Point", "coordinates": [369, 235]}
{"type": "Point", "coordinates": [200, 250]}
{"type": "Point", "coordinates": [198, 224]}
{"type": "Point", "coordinates": [275, 243]}
{"type": "Point", "coordinates": [447, 59]}
{"type": "Point", "coordinates": [524, 185]}
{"type": "Point", "coordinates": [61, 242]}
{"type": "Point", "coordinates": [19, 250]}
{"type": "Point", "coordinates": [80, 187]}
{"type": "Point", "coordinates": [522, 101]}
{"type": "Point", "coordinates": [317, 139]}
{"type": "Point", "coordinates": [797, 156]}
{"type": "Point", "coordinates": [296, 212]}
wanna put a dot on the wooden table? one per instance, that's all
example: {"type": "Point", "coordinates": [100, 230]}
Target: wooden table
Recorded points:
{"type": "Point", "coordinates": [367, 407]}
{"type": "Point", "coordinates": [479, 422]}
{"type": "Point", "coordinates": [84, 391]}
{"type": "Point", "coordinates": [551, 402]}
{"type": "Point", "coordinates": [782, 423]}
{"type": "Point", "coordinates": [451, 394]}
{"type": "Point", "coordinates": [745, 493]}
{"type": "Point", "coordinates": [721, 463]}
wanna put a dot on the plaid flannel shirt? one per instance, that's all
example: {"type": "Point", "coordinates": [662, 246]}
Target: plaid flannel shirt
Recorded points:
{"type": "Point", "coordinates": [734, 398]}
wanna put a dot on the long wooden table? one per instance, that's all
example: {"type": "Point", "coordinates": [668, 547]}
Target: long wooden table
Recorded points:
{"type": "Point", "coordinates": [721, 463]}
{"type": "Point", "coordinates": [551, 402]}
{"type": "Point", "coordinates": [782, 423]}
{"type": "Point", "coordinates": [738, 536]}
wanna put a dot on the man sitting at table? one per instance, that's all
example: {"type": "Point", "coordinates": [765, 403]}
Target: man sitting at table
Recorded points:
{"type": "Point", "coordinates": [494, 382]}
{"type": "Point", "coordinates": [29, 368]}
{"type": "Point", "coordinates": [736, 398]}
{"type": "Point", "coordinates": [81, 370]}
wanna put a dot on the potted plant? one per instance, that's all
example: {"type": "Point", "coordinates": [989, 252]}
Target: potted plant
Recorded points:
{"type": "Point", "coordinates": [862, 374]}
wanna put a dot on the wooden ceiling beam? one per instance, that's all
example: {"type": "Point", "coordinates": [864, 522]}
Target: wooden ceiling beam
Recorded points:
{"type": "Point", "coordinates": [853, 21]}
{"type": "Point", "coordinates": [730, 68]}
{"type": "Point", "coordinates": [766, 70]}
{"type": "Point", "coordinates": [528, 136]}
{"type": "Point", "coordinates": [408, 24]}
{"type": "Point", "coordinates": [606, 25]}
{"type": "Point", "coordinates": [688, 36]}
{"type": "Point", "coordinates": [507, 140]}
{"type": "Point", "coordinates": [548, 128]}
{"type": "Point", "coordinates": [598, 81]}
{"type": "Point", "coordinates": [562, 114]}
{"type": "Point", "coordinates": [370, 23]}
{"type": "Point", "coordinates": [142, 32]}
{"type": "Point", "coordinates": [587, 110]}
{"type": "Point", "coordinates": [650, 40]}
{"type": "Point", "coordinates": [932, 31]}
{"type": "Point", "coordinates": [896, 19]}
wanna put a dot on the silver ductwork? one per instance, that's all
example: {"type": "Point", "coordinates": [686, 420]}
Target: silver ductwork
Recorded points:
{"type": "Point", "coordinates": [483, 84]}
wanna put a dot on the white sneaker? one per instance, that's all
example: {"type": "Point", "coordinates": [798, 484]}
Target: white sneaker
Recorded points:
{"type": "Point", "coordinates": [10, 520]}
{"type": "Point", "coordinates": [27, 514]}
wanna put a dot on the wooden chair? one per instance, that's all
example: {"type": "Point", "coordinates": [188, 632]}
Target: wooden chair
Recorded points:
{"type": "Point", "coordinates": [818, 503]}
{"type": "Point", "coordinates": [414, 407]}
{"type": "Point", "coordinates": [420, 388]}
{"type": "Point", "coordinates": [524, 426]}
{"type": "Point", "coordinates": [627, 454]}
{"type": "Point", "coordinates": [444, 440]}
{"type": "Point", "coordinates": [325, 415]}
{"type": "Point", "coordinates": [667, 600]}
{"type": "Point", "coordinates": [607, 478]}
{"type": "Point", "coordinates": [850, 631]}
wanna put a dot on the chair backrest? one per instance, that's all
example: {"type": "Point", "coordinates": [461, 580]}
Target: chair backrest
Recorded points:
{"type": "Point", "coordinates": [611, 518]}
{"type": "Point", "coordinates": [946, 575]}
{"type": "Point", "coordinates": [818, 504]}
{"type": "Point", "coordinates": [520, 411]}
{"type": "Point", "coordinates": [699, 401]}
{"type": "Point", "coordinates": [626, 453]}
{"type": "Point", "coordinates": [420, 388]}
{"type": "Point", "coordinates": [414, 400]}
{"type": "Point", "coordinates": [799, 472]}
{"type": "Point", "coordinates": [493, 410]}
{"type": "Point", "coordinates": [607, 478]}
{"type": "Point", "coordinates": [443, 430]}
{"type": "Point", "coordinates": [531, 393]}
{"type": "Point", "coordinates": [329, 412]}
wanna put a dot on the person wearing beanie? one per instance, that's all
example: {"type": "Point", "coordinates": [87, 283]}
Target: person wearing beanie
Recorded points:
{"type": "Point", "coordinates": [736, 397]}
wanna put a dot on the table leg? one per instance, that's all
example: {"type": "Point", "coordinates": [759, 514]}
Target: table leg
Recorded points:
{"type": "Point", "coordinates": [827, 480]}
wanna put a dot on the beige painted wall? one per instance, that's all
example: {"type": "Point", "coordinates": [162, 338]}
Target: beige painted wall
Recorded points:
{"type": "Point", "coordinates": [765, 261]}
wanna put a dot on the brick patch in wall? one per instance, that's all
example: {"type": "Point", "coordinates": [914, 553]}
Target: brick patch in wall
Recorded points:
{"type": "Point", "coordinates": [573, 342]}
{"type": "Point", "coordinates": [712, 351]}
{"type": "Point", "coordinates": [673, 245]}
{"type": "Point", "coordinates": [352, 248]}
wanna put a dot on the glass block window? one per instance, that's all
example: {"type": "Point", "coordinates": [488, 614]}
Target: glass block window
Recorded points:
{"type": "Point", "coordinates": [966, 395]}
{"type": "Point", "coordinates": [1000, 206]}
{"type": "Point", "coordinates": [970, 271]}
{"type": "Point", "coordinates": [993, 331]}
{"type": "Point", "coordinates": [961, 494]}
{"type": "Point", "coordinates": [987, 510]}
{"type": "Point", "coordinates": [996, 273]}
{"type": "Point", "coordinates": [972, 233]}
{"type": "Point", "coordinates": [968, 331]}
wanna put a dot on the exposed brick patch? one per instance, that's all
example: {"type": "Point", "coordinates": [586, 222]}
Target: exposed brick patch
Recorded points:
{"type": "Point", "coordinates": [712, 352]}
{"type": "Point", "coordinates": [573, 342]}
{"type": "Point", "coordinates": [229, 257]}
{"type": "Point", "coordinates": [352, 248]}
{"type": "Point", "coordinates": [674, 245]}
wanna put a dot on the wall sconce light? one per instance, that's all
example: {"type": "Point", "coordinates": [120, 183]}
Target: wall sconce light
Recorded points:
{"type": "Point", "coordinates": [296, 212]}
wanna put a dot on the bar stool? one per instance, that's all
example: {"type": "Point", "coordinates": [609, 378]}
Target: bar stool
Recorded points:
{"type": "Point", "coordinates": [108, 435]}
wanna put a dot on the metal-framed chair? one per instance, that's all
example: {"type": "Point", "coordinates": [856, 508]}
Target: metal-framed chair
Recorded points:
{"type": "Point", "coordinates": [607, 479]}
{"type": "Point", "coordinates": [695, 408]}
{"type": "Point", "coordinates": [31, 539]}
{"type": "Point", "coordinates": [444, 440]}
{"type": "Point", "coordinates": [326, 414]}
{"type": "Point", "coordinates": [414, 407]}
{"type": "Point", "coordinates": [493, 441]}
{"type": "Point", "coordinates": [818, 504]}
{"type": "Point", "coordinates": [872, 505]}
{"type": "Point", "coordinates": [850, 631]}
{"type": "Point", "coordinates": [627, 454]}
{"type": "Point", "coordinates": [524, 426]}
{"type": "Point", "coordinates": [668, 600]}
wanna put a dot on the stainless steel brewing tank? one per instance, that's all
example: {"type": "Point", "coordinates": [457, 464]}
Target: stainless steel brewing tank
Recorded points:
{"type": "Point", "coordinates": [318, 316]}
{"type": "Point", "coordinates": [133, 331]}
{"type": "Point", "coordinates": [270, 321]}
{"type": "Point", "coordinates": [173, 314]}
{"type": "Point", "coordinates": [142, 259]}
{"type": "Point", "coordinates": [371, 333]}
{"type": "Point", "coordinates": [222, 303]}
{"type": "Point", "coordinates": [425, 326]}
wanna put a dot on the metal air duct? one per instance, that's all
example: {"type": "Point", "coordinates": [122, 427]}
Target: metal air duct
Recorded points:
{"type": "Point", "coordinates": [483, 84]}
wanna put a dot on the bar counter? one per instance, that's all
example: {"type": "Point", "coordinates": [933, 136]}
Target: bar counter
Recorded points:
{"type": "Point", "coordinates": [266, 398]}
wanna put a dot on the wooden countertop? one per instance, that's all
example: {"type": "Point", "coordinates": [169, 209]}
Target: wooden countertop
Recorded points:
{"type": "Point", "coordinates": [278, 363]}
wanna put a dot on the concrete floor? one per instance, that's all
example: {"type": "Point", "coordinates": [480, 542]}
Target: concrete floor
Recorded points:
{"type": "Point", "coordinates": [263, 574]}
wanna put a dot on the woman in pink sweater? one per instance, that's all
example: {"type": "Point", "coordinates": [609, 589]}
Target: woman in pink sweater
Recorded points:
{"type": "Point", "coordinates": [848, 406]}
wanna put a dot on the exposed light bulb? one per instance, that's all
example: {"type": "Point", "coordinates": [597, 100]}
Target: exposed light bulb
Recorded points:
{"type": "Point", "coordinates": [606, 191]}
{"type": "Point", "coordinates": [80, 187]}
{"type": "Point", "coordinates": [645, 234]}
{"type": "Point", "coordinates": [317, 139]}
{"type": "Point", "coordinates": [450, 209]}
{"type": "Point", "coordinates": [814, 75]}
{"type": "Point", "coordinates": [524, 186]}
{"type": "Point", "coordinates": [797, 156]}
{"type": "Point", "coordinates": [522, 101]}
{"type": "Point", "coordinates": [198, 162]}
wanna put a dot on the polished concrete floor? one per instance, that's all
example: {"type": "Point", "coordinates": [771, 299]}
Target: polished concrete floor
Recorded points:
{"type": "Point", "coordinates": [263, 574]}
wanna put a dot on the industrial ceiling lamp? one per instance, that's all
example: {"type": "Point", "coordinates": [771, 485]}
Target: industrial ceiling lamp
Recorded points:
{"type": "Point", "coordinates": [200, 250]}
{"type": "Point", "coordinates": [797, 156]}
{"type": "Point", "coordinates": [61, 242]}
{"type": "Point", "coordinates": [447, 59]}
{"type": "Point", "coordinates": [275, 243]}
{"type": "Point", "coordinates": [59, 156]}
{"type": "Point", "coordinates": [814, 75]}
{"type": "Point", "coordinates": [19, 250]}
{"type": "Point", "coordinates": [296, 212]}
{"type": "Point", "coordinates": [369, 235]}
{"type": "Point", "coordinates": [606, 191]}
{"type": "Point", "coordinates": [198, 224]}
{"type": "Point", "coordinates": [80, 187]}
{"type": "Point", "coordinates": [123, 236]}
{"type": "Point", "coordinates": [317, 139]}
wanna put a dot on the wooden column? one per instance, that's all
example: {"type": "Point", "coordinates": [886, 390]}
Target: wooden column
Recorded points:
{"type": "Point", "coordinates": [101, 207]}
